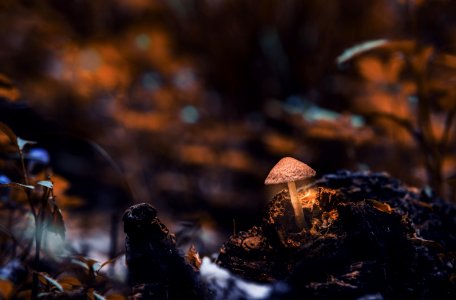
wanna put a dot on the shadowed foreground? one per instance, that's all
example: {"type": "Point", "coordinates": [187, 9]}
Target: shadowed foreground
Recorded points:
{"type": "Point", "coordinates": [367, 234]}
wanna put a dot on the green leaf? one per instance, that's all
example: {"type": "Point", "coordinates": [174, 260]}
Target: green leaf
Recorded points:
{"type": "Point", "coordinates": [21, 143]}
{"type": "Point", "coordinates": [360, 48]}
{"type": "Point", "coordinates": [46, 183]}
{"type": "Point", "coordinates": [18, 186]}
{"type": "Point", "coordinates": [9, 133]}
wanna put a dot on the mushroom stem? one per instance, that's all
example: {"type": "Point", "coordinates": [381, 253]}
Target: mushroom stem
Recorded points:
{"type": "Point", "coordinates": [297, 206]}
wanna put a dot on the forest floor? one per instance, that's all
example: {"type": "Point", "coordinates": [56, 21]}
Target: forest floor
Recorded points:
{"type": "Point", "coordinates": [367, 236]}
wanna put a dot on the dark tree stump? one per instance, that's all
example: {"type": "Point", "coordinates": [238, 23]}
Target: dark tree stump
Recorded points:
{"type": "Point", "coordinates": [156, 269]}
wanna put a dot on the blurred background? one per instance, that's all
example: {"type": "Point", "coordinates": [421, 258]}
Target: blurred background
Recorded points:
{"type": "Point", "coordinates": [187, 104]}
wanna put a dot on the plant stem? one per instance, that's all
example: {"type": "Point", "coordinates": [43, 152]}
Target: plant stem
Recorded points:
{"type": "Point", "coordinates": [447, 130]}
{"type": "Point", "coordinates": [37, 227]}
{"type": "Point", "coordinates": [113, 239]}
{"type": "Point", "coordinates": [26, 182]}
{"type": "Point", "coordinates": [38, 234]}
{"type": "Point", "coordinates": [297, 206]}
{"type": "Point", "coordinates": [431, 148]}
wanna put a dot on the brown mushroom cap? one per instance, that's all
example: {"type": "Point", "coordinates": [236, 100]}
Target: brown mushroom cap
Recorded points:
{"type": "Point", "coordinates": [289, 169]}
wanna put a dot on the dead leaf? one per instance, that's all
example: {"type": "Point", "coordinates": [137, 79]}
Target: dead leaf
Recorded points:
{"type": "Point", "coordinates": [115, 297]}
{"type": "Point", "coordinates": [6, 289]}
{"type": "Point", "coordinates": [90, 295]}
{"type": "Point", "coordinates": [381, 206]}
{"type": "Point", "coordinates": [192, 257]}
{"type": "Point", "coordinates": [46, 279]}
{"type": "Point", "coordinates": [453, 278]}
{"type": "Point", "coordinates": [8, 132]}
{"type": "Point", "coordinates": [8, 90]}
{"type": "Point", "coordinates": [69, 282]}
{"type": "Point", "coordinates": [429, 243]}
{"type": "Point", "coordinates": [26, 294]}
{"type": "Point", "coordinates": [372, 69]}
{"type": "Point", "coordinates": [110, 261]}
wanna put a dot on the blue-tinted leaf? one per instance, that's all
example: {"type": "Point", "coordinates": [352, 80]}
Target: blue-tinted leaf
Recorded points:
{"type": "Point", "coordinates": [98, 296]}
{"type": "Point", "coordinates": [44, 294]}
{"type": "Point", "coordinates": [56, 224]}
{"type": "Point", "coordinates": [18, 185]}
{"type": "Point", "coordinates": [52, 281]}
{"type": "Point", "coordinates": [11, 268]}
{"type": "Point", "coordinates": [4, 179]}
{"type": "Point", "coordinates": [360, 48]}
{"type": "Point", "coordinates": [85, 262]}
{"type": "Point", "coordinates": [46, 183]}
{"type": "Point", "coordinates": [21, 143]}
{"type": "Point", "coordinates": [404, 46]}
{"type": "Point", "coordinates": [39, 155]}
{"type": "Point", "coordinates": [79, 263]}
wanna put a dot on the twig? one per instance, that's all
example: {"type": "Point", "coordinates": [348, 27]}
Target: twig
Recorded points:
{"type": "Point", "coordinates": [404, 123]}
{"type": "Point", "coordinates": [447, 129]}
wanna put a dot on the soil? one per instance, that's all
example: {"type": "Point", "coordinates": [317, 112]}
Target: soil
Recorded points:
{"type": "Point", "coordinates": [367, 236]}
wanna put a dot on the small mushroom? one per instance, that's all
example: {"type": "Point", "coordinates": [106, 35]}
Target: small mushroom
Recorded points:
{"type": "Point", "coordinates": [289, 170]}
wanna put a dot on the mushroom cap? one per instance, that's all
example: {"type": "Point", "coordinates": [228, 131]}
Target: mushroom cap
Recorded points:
{"type": "Point", "coordinates": [289, 169]}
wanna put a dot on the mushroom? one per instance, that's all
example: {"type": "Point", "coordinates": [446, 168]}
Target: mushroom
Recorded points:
{"type": "Point", "coordinates": [289, 170]}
